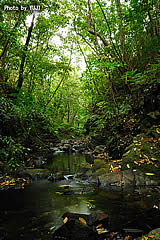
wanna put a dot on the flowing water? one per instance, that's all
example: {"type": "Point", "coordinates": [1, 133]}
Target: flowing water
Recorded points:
{"type": "Point", "coordinates": [36, 211]}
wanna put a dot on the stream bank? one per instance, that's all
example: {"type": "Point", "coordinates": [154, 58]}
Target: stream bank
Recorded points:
{"type": "Point", "coordinates": [75, 191]}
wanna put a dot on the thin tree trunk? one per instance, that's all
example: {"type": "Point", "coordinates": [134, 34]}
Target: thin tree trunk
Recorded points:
{"type": "Point", "coordinates": [90, 21]}
{"type": "Point", "coordinates": [68, 112]}
{"type": "Point", "coordinates": [20, 80]}
{"type": "Point", "coordinates": [110, 33]}
{"type": "Point", "coordinates": [105, 42]}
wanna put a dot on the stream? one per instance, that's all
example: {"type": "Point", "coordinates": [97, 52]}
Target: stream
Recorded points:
{"type": "Point", "coordinates": [36, 211]}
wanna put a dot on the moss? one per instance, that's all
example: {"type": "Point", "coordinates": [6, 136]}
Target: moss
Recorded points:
{"type": "Point", "coordinates": [101, 171]}
{"type": "Point", "coordinates": [98, 163]}
{"type": "Point", "coordinates": [85, 167]}
{"type": "Point", "coordinates": [144, 152]}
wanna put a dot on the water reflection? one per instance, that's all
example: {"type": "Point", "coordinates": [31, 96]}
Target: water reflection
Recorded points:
{"type": "Point", "coordinates": [66, 163]}
{"type": "Point", "coordinates": [37, 208]}
{"type": "Point", "coordinates": [32, 213]}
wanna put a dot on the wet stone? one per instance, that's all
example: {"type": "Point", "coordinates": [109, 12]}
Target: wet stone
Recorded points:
{"type": "Point", "coordinates": [75, 228]}
{"type": "Point", "coordinates": [128, 177]}
{"type": "Point", "coordinates": [109, 179]}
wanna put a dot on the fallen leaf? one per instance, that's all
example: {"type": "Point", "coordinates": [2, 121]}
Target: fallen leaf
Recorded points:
{"type": "Point", "coordinates": [116, 169]}
{"type": "Point", "coordinates": [128, 166]}
{"type": "Point", "coordinates": [128, 237]}
{"type": "Point", "coordinates": [151, 236]}
{"type": "Point", "coordinates": [65, 220]}
{"type": "Point", "coordinates": [99, 225]}
{"type": "Point", "coordinates": [82, 220]}
{"type": "Point", "coordinates": [155, 206]}
{"type": "Point", "coordinates": [59, 193]}
{"type": "Point", "coordinates": [150, 174]}
{"type": "Point", "coordinates": [101, 230]}
{"type": "Point", "coordinates": [3, 183]}
{"type": "Point", "coordinates": [135, 162]}
{"type": "Point", "coordinates": [51, 228]}
{"type": "Point", "coordinates": [12, 180]}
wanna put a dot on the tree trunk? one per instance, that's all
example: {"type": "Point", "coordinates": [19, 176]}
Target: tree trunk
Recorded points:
{"type": "Point", "coordinates": [68, 113]}
{"type": "Point", "coordinates": [20, 80]}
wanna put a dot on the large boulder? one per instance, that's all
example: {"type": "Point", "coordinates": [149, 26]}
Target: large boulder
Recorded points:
{"type": "Point", "coordinates": [92, 220]}
{"type": "Point", "coordinates": [75, 229]}
{"type": "Point", "coordinates": [97, 168]}
{"type": "Point", "coordinates": [81, 226]}
{"type": "Point", "coordinates": [128, 178]}
{"type": "Point", "coordinates": [99, 163]}
{"type": "Point", "coordinates": [110, 179]}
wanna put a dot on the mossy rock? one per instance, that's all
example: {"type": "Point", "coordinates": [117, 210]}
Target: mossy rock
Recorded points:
{"type": "Point", "coordinates": [99, 163]}
{"type": "Point", "coordinates": [144, 153]}
{"type": "Point", "coordinates": [85, 167]}
{"type": "Point", "coordinates": [101, 171]}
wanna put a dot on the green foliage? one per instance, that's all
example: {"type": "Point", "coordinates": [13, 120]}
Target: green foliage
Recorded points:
{"type": "Point", "coordinates": [120, 45]}
{"type": "Point", "coordinates": [149, 76]}
{"type": "Point", "coordinates": [11, 152]}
